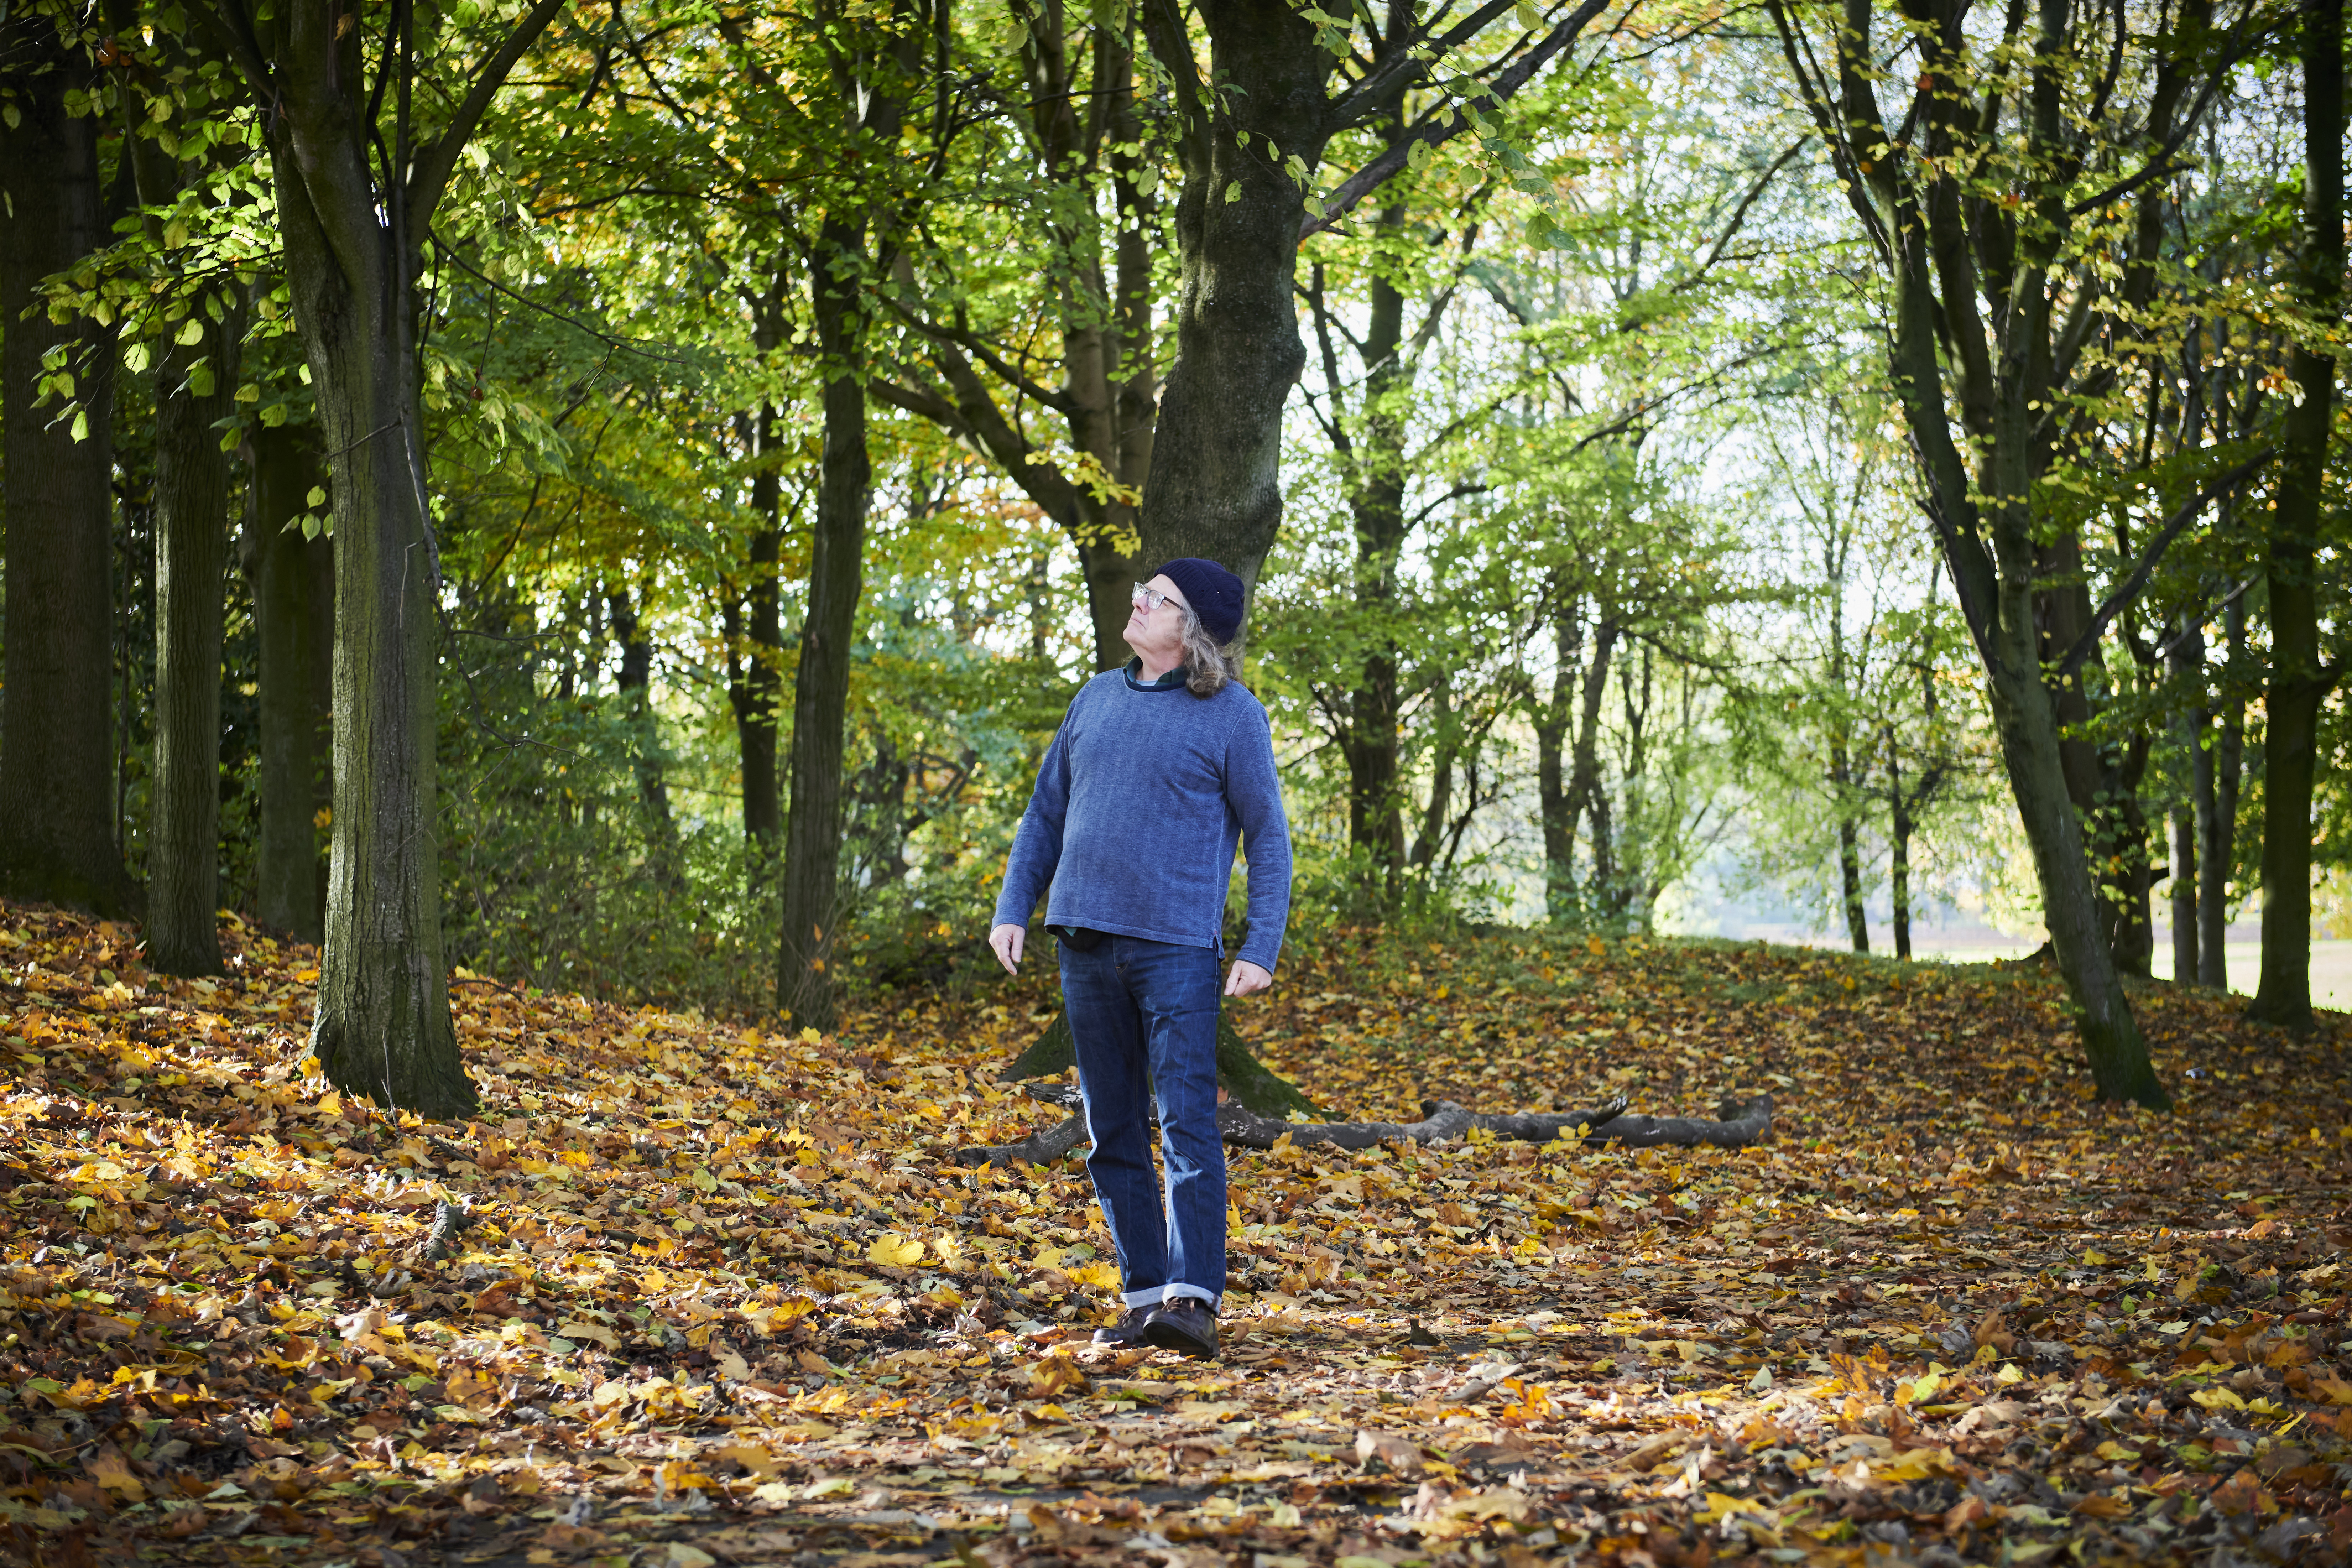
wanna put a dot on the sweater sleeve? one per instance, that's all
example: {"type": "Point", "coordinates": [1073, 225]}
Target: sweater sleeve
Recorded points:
{"type": "Point", "coordinates": [1037, 845]}
{"type": "Point", "coordinates": [1254, 792]}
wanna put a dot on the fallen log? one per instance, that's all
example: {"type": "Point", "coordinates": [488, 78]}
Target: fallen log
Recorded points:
{"type": "Point", "coordinates": [1737, 1125]}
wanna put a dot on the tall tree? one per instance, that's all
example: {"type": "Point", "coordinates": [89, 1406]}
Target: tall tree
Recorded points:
{"type": "Point", "coordinates": [874, 73]}
{"type": "Point", "coordinates": [362, 162]}
{"type": "Point", "coordinates": [56, 824]}
{"type": "Point", "coordinates": [1994, 302]}
{"type": "Point", "coordinates": [194, 380]}
{"type": "Point", "coordinates": [1251, 134]}
{"type": "Point", "coordinates": [2298, 679]}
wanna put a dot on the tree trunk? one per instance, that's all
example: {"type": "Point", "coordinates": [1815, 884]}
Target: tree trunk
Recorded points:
{"type": "Point", "coordinates": [2297, 684]}
{"type": "Point", "coordinates": [805, 984]}
{"type": "Point", "coordinates": [2024, 717]}
{"type": "Point", "coordinates": [758, 693]}
{"type": "Point", "coordinates": [2217, 851]}
{"type": "Point", "coordinates": [2191, 725]}
{"type": "Point", "coordinates": [806, 989]}
{"type": "Point", "coordinates": [1899, 830]}
{"type": "Point", "coordinates": [635, 687]}
{"type": "Point", "coordinates": [2134, 911]}
{"type": "Point", "coordinates": [1849, 825]}
{"type": "Point", "coordinates": [1239, 1073]}
{"type": "Point", "coordinates": [293, 583]}
{"type": "Point", "coordinates": [56, 825]}
{"type": "Point", "coordinates": [2184, 898]}
{"type": "Point", "coordinates": [191, 492]}
{"type": "Point", "coordinates": [1942, 360]}
{"type": "Point", "coordinates": [1376, 502]}
{"type": "Point", "coordinates": [1215, 483]}
{"type": "Point", "coordinates": [383, 1027]}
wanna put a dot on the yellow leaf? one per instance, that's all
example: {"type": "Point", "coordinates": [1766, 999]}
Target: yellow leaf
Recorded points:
{"type": "Point", "coordinates": [898, 1252]}
{"type": "Point", "coordinates": [1102, 1276]}
{"type": "Point", "coordinates": [573, 1328]}
{"type": "Point", "coordinates": [2218, 1399]}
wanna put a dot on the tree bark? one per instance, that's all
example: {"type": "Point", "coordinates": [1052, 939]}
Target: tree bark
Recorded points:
{"type": "Point", "coordinates": [56, 825]}
{"type": "Point", "coordinates": [1215, 487]}
{"type": "Point", "coordinates": [806, 989]}
{"type": "Point", "coordinates": [191, 492]}
{"type": "Point", "coordinates": [2217, 850]}
{"type": "Point", "coordinates": [1849, 826]}
{"type": "Point", "coordinates": [2184, 897]}
{"type": "Point", "coordinates": [293, 585]}
{"type": "Point", "coordinates": [1899, 829]}
{"type": "Point", "coordinates": [353, 247]}
{"type": "Point", "coordinates": [2298, 684]}
{"type": "Point", "coordinates": [2191, 727]}
{"type": "Point", "coordinates": [805, 984]}
{"type": "Point", "coordinates": [756, 690]}
{"type": "Point", "coordinates": [2132, 937]}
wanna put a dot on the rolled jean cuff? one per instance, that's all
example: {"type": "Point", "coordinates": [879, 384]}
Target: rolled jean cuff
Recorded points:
{"type": "Point", "coordinates": [1149, 1297]}
{"type": "Point", "coordinates": [1179, 1292]}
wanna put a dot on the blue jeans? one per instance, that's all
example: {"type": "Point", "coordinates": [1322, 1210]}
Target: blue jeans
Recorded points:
{"type": "Point", "coordinates": [1143, 1017]}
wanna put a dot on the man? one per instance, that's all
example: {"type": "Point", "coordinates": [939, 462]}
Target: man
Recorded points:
{"type": "Point", "coordinates": [1157, 770]}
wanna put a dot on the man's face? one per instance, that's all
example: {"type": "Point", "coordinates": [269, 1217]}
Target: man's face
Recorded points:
{"type": "Point", "coordinates": [1155, 626]}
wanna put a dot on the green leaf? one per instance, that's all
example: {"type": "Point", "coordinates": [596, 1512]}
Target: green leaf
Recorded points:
{"type": "Point", "coordinates": [191, 332]}
{"type": "Point", "coordinates": [1530, 18]}
{"type": "Point", "coordinates": [82, 424]}
{"type": "Point", "coordinates": [200, 378]}
{"type": "Point", "coordinates": [318, 497]}
{"type": "Point", "coordinates": [1234, 192]}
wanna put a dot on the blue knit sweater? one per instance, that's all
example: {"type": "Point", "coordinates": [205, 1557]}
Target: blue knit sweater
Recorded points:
{"type": "Point", "coordinates": [1142, 798]}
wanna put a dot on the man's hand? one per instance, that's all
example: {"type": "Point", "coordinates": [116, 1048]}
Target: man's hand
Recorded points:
{"type": "Point", "coordinates": [1007, 940]}
{"type": "Point", "coordinates": [1246, 977]}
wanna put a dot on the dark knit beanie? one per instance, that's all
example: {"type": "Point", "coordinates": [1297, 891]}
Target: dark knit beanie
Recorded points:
{"type": "Point", "coordinates": [1214, 594]}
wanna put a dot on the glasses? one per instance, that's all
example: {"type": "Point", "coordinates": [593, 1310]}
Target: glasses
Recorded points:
{"type": "Point", "coordinates": [1151, 599]}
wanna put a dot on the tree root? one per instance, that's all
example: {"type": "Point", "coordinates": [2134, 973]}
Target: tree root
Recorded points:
{"type": "Point", "coordinates": [1737, 1125]}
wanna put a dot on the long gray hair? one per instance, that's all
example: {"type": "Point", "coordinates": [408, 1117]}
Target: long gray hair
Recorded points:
{"type": "Point", "coordinates": [1207, 663]}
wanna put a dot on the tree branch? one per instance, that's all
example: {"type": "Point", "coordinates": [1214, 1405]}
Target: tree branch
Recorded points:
{"type": "Point", "coordinates": [438, 159]}
{"type": "Point", "coordinates": [2129, 589]}
{"type": "Point", "coordinates": [1430, 133]}
{"type": "Point", "coordinates": [1405, 64]}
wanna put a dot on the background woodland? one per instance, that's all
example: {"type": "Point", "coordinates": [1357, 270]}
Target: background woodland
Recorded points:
{"type": "Point", "coordinates": [618, 498]}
